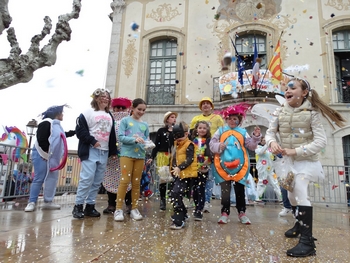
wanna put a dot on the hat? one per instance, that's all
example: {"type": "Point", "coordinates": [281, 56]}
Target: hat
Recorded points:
{"type": "Point", "coordinates": [120, 101]}
{"type": "Point", "coordinates": [239, 109]}
{"type": "Point", "coordinates": [206, 99]}
{"type": "Point", "coordinates": [53, 111]}
{"type": "Point", "coordinates": [167, 115]}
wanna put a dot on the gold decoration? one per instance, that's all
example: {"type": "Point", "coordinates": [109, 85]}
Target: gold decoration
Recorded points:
{"type": "Point", "coordinates": [164, 13]}
{"type": "Point", "coordinates": [339, 4]}
{"type": "Point", "coordinates": [129, 57]}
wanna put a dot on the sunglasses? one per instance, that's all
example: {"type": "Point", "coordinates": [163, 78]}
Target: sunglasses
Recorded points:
{"type": "Point", "coordinates": [98, 92]}
{"type": "Point", "coordinates": [120, 107]}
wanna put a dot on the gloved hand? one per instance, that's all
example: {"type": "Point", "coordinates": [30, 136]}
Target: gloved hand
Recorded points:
{"type": "Point", "coordinates": [70, 133]}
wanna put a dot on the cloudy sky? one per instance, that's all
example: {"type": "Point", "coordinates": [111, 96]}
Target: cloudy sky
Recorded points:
{"type": "Point", "coordinates": [59, 84]}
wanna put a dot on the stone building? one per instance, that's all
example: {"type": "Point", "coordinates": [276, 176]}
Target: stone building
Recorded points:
{"type": "Point", "coordinates": [169, 53]}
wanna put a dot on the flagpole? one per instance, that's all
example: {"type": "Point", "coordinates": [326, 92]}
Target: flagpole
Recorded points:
{"type": "Point", "coordinates": [269, 64]}
{"type": "Point", "coordinates": [237, 55]}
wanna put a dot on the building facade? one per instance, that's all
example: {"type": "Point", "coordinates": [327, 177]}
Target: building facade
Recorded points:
{"type": "Point", "coordinates": [170, 54]}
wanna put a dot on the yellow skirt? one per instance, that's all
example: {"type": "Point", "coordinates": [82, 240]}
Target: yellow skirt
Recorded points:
{"type": "Point", "coordinates": [163, 159]}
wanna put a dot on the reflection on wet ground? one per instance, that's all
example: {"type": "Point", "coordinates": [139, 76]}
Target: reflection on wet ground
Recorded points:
{"type": "Point", "coordinates": [54, 236]}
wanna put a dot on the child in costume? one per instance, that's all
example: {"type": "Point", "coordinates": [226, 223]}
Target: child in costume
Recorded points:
{"type": "Point", "coordinates": [201, 138]}
{"type": "Point", "coordinates": [231, 161]}
{"type": "Point", "coordinates": [264, 165]}
{"type": "Point", "coordinates": [162, 151]}
{"type": "Point", "coordinates": [184, 167]}
{"type": "Point", "coordinates": [49, 155]}
{"type": "Point", "coordinates": [97, 141]}
{"type": "Point", "coordinates": [302, 136]}
{"type": "Point", "coordinates": [215, 121]}
{"type": "Point", "coordinates": [121, 108]}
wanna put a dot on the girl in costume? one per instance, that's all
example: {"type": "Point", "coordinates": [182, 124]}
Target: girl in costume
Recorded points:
{"type": "Point", "coordinates": [164, 142]}
{"type": "Point", "coordinates": [231, 161]}
{"type": "Point", "coordinates": [215, 121]}
{"type": "Point", "coordinates": [302, 137]}
{"type": "Point", "coordinates": [264, 165]}
{"type": "Point", "coordinates": [121, 108]}
{"type": "Point", "coordinates": [97, 141]}
{"type": "Point", "coordinates": [132, 134]}
{"type": "Point", "coordinates": [49, 155]}
{"type": "Point", "coordinates": [201, 138]}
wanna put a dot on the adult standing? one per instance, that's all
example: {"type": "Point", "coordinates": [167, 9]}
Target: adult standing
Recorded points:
{"type": "Point", "coordinates": [164, 142]}
{"type": "Point", "coordinates": [97, 141]}
{"type": "Point", "coordinates": [50, 147]}
{"type": "Point", "coordinates": [121, 108]}
{"type": "Point", "coordinates": [215, 121]}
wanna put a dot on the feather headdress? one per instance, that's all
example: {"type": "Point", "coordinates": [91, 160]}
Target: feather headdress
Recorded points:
{"type": "Point", "coordinates": [238, 109]}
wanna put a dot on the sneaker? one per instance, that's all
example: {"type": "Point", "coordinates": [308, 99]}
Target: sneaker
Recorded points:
{"type": "Point", "coordinates": [233, 204]}
{"type": "Point", "coordinates": [135, 214]}
{"type": "Point", "coordinates": [243, 218]}
{"type": "Point", "coordinates": [118, 215]}
{"type": "Point", "coordinates": [223, 219]}
{"type": "Point", "coordinates": [250, 203]}
{"type": "Point", "coordinates": [50, 206]}
{"type": "Point", "coordinates": [206, 207]}
{"type": "Point", "coordinates": [30, 207]}
{"type": "Point", "coordinates": [285, 212]}
{"type": "Point", "coordinates": [198, 216]}
{"type": "Point", "coordinates": [78, 211]}
{"type": "Point", "coordinates": [176, 227]}
{"type": "Point", "coordinates": [109, 210]}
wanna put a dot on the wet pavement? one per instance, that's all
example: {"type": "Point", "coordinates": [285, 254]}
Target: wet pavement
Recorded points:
{"type": "Point", "coordinates": [54, 236]}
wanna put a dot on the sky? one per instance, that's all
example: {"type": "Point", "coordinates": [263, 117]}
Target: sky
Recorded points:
{"type": "Point", "coordinates": [59, 84]}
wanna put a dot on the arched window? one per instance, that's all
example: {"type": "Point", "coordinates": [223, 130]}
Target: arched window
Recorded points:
{"type": "Point", "coordinates": [245, 44]}
{"type": "Point", "coordinates": [162, 72]}
{"type": "Point", "coordinates": [341, 47]}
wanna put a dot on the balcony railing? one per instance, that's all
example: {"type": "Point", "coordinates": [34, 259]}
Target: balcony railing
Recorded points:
{"type": "Point", "coordinates": [163, 94]}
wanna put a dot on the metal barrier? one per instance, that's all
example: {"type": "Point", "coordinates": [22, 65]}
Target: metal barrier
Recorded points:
{"type": "Point", "coordinates": [334, 189]}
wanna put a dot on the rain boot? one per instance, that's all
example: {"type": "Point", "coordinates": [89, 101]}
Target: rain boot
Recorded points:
{"type": "Point", "coordinates": [306, 246]}
{"type": "Point", "coordinates": [295, 230]}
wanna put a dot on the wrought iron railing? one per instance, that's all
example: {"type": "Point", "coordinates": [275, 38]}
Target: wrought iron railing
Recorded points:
{"type": "Point", "coordinates": [163, 94]}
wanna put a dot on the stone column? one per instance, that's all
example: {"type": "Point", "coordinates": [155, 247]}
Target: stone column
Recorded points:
{"type": "Point", "coordinates": [118, 7]}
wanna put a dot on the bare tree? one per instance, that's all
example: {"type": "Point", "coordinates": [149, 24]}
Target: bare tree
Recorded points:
{"type": "Point", "coordinates": [18, 67]}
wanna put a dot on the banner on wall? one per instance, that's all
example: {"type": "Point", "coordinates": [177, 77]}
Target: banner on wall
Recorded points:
{"type": "Point", "coordinates": [229, 84]}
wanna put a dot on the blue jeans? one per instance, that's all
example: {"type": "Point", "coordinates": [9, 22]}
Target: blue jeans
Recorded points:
{"type": "Point", "coordinates": [209, 185]}
{"type": "Point", "coordinates": [42, 175]}
{"type": "Point", "coordinates": [91, 176]}
{"type": "Point", "coordinates": [285, 199]}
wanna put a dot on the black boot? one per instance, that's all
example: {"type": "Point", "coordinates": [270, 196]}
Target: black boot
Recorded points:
{"type": "Point", "coordinates": [306, 246]}
{"type": "Point", "coordinates": [162, 204]}
{"type": "Point", "coordinates": [91, 211]}
{"type": "Point", "coordinates": [295, 230]}
{"type": "Point", "coordinates": [78, 212]}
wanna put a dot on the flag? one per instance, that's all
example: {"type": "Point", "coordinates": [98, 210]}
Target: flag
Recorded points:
{"type": "Point", "coordinates": [275, 66]}
{"type": "Point", "coordinates": [255, 51]}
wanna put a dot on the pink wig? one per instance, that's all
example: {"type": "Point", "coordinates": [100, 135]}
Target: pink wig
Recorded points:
{"type": "Point", "coordinates": [239, 109]}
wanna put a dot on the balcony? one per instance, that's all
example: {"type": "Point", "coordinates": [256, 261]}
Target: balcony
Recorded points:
{"type": "Point", "coordinates": [162, 94]}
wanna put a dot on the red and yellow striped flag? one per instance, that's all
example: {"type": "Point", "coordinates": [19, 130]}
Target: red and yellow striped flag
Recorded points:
{"type": "Point", "coordinates": [275, 66]}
